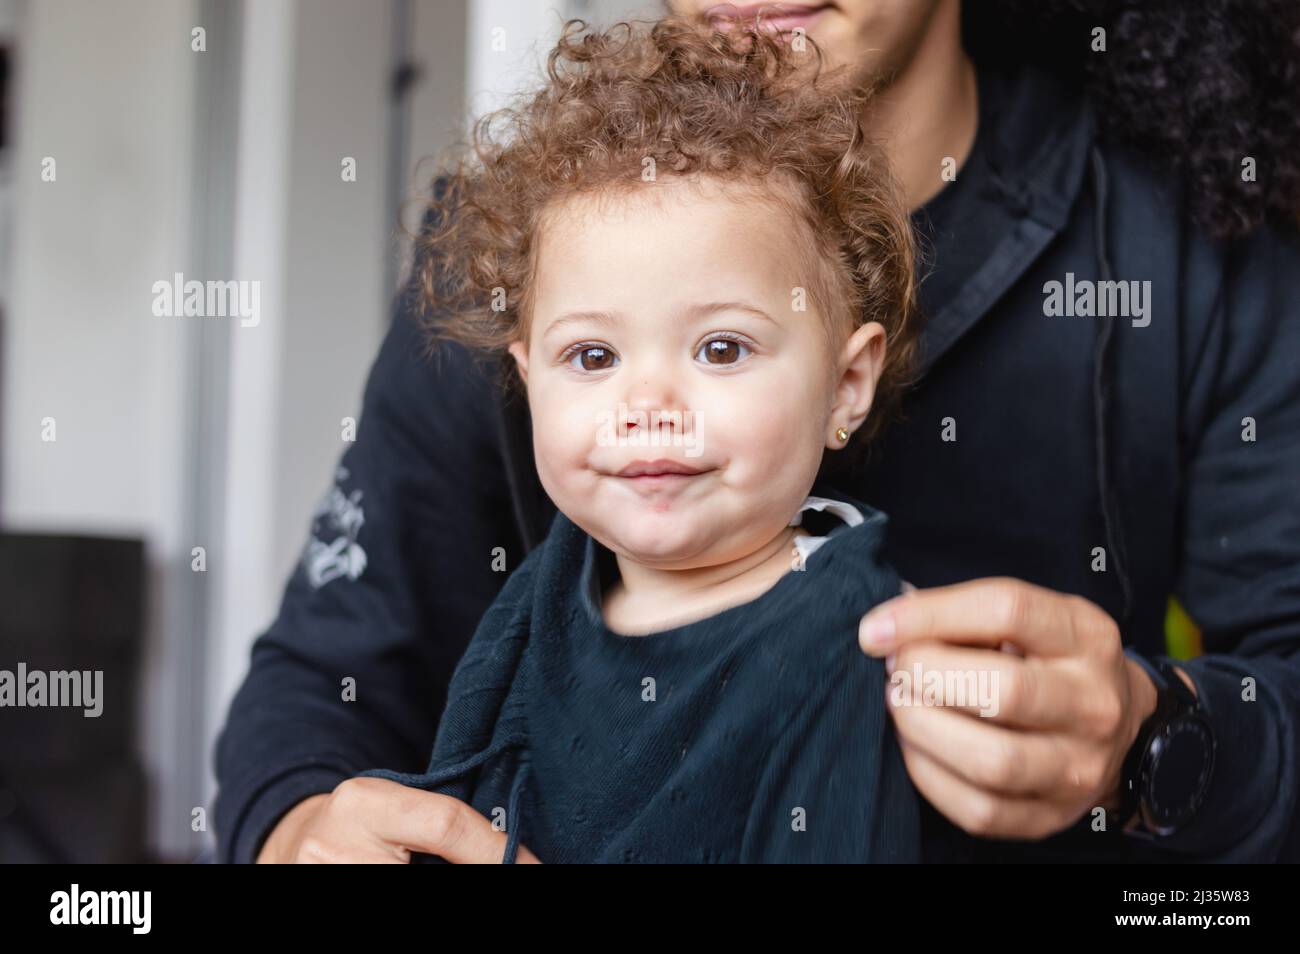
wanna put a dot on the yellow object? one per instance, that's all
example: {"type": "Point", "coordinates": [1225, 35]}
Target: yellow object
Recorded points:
{"type": "Point", "coordinates": [1182, 635]}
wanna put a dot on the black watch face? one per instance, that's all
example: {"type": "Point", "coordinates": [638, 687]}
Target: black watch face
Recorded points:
{"type": "Point", "coordinates": [1178, 773]}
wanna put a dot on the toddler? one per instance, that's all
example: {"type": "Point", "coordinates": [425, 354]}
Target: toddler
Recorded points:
{"type": "Point", "coordinates": [702, 275]}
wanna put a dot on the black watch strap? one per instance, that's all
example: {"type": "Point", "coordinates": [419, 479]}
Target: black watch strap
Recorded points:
{"type": "Point", "coordinates": [1178, 714]}
{"type": "Point", "coordinates": [1184, 694]}
{"type": "Point", "coordinates": [1166, 704]}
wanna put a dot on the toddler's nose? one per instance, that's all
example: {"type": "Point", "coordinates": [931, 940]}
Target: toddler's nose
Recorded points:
{"type": "Point", "coordinates": [653, 417]}
{"type": "Point", "coordinates": [652, 405]}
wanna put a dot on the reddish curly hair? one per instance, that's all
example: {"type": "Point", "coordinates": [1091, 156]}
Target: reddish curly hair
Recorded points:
{"type": "Point", "coordinates": [743, 107]}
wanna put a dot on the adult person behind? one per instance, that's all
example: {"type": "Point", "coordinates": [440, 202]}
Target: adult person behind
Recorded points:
{"type": "Point", "coordinates": [1055, 481]}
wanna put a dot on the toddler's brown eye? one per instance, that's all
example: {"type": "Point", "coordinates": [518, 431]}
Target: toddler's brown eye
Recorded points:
{"type": "Point", "coordinates": [723, 351]}
{"type": "Point", "coordinates": [594, 358]}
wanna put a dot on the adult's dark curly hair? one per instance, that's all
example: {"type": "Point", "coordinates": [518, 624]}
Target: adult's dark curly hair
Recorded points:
{"type": "Point", "coordinates": [1200, 84]}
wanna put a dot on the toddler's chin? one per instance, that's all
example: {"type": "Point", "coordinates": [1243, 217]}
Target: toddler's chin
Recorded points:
{"type": "Point", "coordinates": [655, 541]}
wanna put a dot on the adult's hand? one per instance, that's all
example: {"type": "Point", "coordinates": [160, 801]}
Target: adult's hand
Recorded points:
{"type": "Point", "coordinates": [1068, 703]}
{"type": "Point", "coordinates": [372, 820]}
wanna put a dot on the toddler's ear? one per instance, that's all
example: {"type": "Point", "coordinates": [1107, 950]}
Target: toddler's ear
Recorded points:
{"type": "Point", "coordinates": [520, 352]}
{"type": "Point", "coordinates": [863, 358]}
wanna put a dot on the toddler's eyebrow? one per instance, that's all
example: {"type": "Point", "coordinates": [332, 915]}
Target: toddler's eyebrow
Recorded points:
{"type": "Point", "coordinates": [598, 317]}
{"type": "Point", "coordinates": [692, 313]}
{"type": "Point", "coordinates": [700, 311]}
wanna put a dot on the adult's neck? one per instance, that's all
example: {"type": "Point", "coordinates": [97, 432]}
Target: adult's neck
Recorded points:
{"type": "Point", "coordinates": [928, 109]}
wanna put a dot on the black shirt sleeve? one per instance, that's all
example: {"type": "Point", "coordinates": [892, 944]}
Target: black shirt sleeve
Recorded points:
{"type": "Point", "coordinates": [1239, 569]}
{"type": "Point", "coordinates": [394, 580]}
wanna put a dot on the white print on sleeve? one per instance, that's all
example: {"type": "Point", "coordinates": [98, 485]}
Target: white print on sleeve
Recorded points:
{"type": "Point", "coordinates": [333, 550]}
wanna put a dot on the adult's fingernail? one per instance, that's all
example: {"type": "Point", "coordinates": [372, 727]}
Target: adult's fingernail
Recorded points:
{"type": "Point", "coordinates": [879, 631]}
{"type": "Point", "coordinates": [889, 664]}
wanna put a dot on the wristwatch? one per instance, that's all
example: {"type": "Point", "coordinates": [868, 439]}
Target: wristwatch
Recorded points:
{"type": "Point", "coordinates": [1168, 769]}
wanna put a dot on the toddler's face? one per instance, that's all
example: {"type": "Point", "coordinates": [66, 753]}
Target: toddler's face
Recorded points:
{"type": "Point", "coordinates": [665, 333]}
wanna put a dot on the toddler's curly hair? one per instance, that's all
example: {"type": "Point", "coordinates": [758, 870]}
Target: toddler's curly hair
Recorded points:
{"type": "Point", "coordinates": [686, 99]}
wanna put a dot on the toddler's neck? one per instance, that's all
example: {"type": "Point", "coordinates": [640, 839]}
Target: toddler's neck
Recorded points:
{"type": "Point", "coordinates": [646, 599]}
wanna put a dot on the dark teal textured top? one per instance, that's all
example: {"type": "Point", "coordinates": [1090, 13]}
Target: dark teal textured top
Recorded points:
{"type": "Point", "coordinates": [758, 734]}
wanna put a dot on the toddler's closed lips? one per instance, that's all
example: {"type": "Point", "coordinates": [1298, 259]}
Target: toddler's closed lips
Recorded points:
{"type": "Point", "coordinates": [659, 468]}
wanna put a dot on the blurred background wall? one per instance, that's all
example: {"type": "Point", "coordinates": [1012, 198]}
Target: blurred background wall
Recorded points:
{"type": "Point", "coordinates": [135, 148]}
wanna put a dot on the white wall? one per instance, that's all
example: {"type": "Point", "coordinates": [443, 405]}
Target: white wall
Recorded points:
{"type": "Point", "coordinates": [243, 569]}
{"type": "Point", "coordinates": [337, 310]}
{"type": "Point", "coordinates": [315, 78]}
{"type": "Point", "coordinates": [508, 40]}
{"type": "Point", "coordinates": [106, 90]}
{"type": "Point", "coordinates": [109, 91]}
{"type": "Point", "coordinates": [9, 21]}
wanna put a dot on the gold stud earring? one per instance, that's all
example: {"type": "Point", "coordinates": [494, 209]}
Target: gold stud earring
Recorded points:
{"type": "Point", "coordinates": [842, 433]}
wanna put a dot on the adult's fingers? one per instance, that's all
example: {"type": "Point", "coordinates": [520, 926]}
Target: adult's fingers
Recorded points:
{"type": "Point", "coordinates": [991, 757]}
{"type": "Point", "coordinates": [978, 812]}
{"type": "Point", "coordinates": [982, 612]}
{"type": "Point", "coordinates": [440, 825]}
{"type": "Point", "coordinates": [430, 822]}
{"type": "Point", "coordinates": [1014, 691]}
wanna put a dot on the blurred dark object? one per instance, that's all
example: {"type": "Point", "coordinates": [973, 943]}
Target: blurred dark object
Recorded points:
{"type": "Point", "coordinates": [4, 96]}
{"type": "Point", "coordinates": [71, 786]}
